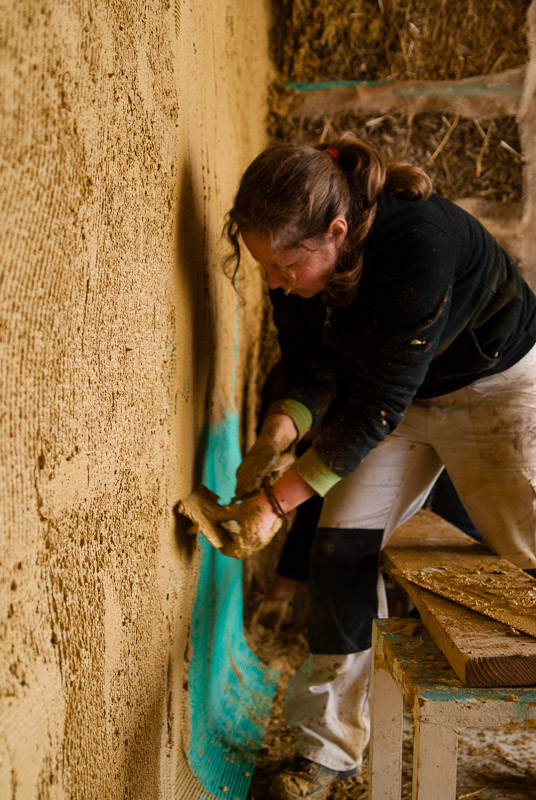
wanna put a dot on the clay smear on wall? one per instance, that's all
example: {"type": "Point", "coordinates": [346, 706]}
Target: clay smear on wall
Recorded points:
{"type": "Point", "coordinates": [125, 126]}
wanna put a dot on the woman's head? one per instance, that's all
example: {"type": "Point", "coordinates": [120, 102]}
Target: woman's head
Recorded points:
{"type": "Point", "coordinates": [305, 269]}
{"type": "Point", "coordinates": [297, 203]}
{"type": "Point", "coordinates": [290, 194]}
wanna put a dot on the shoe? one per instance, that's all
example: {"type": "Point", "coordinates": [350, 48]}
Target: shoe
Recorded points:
{"type": "Point", "coordinates": [302, 779]}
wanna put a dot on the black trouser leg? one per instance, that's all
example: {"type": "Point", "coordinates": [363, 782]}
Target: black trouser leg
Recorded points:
{"type": "Point", "coordinates": [296, 554]}
{"type": "Point", "coordinates": [343, 589]}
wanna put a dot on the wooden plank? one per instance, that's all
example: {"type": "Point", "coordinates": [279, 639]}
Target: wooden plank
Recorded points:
{"type": "Point", "coordinates": [433, 692]}
{"type": "Point", "coordinates": [435, 751]}
{"type": "Point", "coordinates": [437, 556]}
{"type": "Point", "coordinates": [387, 719]}
{"type": "Point", "coordinates": [526, 120]}
{"type": "Point", "coordinates": [481, 96]}
{"type": "Point", "coordinates": [481, 651]}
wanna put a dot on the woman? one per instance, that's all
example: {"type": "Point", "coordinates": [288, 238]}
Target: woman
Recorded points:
{"type": "Point", "coordinates": [400, 316]}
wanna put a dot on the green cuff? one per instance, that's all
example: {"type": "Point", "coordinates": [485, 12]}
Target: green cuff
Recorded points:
{"type": "Point", "coordinates": [299, 414]}
{"type": "Point", "coordinates": [316, 472]}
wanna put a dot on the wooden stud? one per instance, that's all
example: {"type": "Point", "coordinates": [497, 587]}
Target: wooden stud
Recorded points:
{"type": "Point", "coordinates": [387, 708]}
{"type": "Point", "coordinates": [435, 750]}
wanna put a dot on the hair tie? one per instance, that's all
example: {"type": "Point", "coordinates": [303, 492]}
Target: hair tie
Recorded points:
{"type": "Point", "coordinates": [333, 152]}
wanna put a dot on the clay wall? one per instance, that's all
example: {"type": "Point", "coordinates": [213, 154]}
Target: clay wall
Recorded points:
{"type": "Point", "coordinates": [124, 128]}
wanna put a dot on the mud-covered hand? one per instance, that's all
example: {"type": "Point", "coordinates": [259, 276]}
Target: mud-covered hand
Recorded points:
{"type": "Point", "coordinates": [257, 525]}
{"type": "Point", "coordinates": [267, 459]}
{"type": "Point", "coordinates": [261, 465]}
{"type": "Point", "coordinates": [258, 463]}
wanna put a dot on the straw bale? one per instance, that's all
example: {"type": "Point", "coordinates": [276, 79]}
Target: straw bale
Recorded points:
{"type": "Point", "coordinates": [397, 39]}
{"type": "Point", "coordinates": [408, 40]}
{"type": "Point", "coordinates": [475, 161]}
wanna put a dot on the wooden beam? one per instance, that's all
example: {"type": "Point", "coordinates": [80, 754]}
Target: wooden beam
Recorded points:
{"type": "Point", "coordinates": [483, 97]}
{"type": "Point", "coordinates": [527, 131]}
{"type": "Point", "coordinates": [461, 590]}
{"type": "Point", "coordinates": [481, 651]}
{"type": "Point", "coordinates": [387, 722]}
{"type": "Point", "coordinates": [437, 556]}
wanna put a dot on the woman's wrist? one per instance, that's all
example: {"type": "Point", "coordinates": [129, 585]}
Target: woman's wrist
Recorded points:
{"type": "Point", "coordinates": [277, 508]}
{"type": "Point", "coordinates": [264, 502]}
{"type": "Point", "coordinates": [291, 490]}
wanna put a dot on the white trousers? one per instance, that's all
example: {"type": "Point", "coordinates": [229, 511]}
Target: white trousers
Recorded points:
{"type": "Point", "coordinates": [485, 436]}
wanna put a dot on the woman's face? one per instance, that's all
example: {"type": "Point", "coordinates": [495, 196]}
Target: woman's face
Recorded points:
{"type": "Point", "coordinates": [304, 270]}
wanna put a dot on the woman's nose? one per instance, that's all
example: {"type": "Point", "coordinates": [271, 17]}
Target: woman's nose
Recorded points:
{"type": "Point", "coordinates": [274, 278]}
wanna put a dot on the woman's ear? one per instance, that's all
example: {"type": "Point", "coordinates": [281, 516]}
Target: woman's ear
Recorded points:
{"type": "Point", "coordinates": [338, 229]}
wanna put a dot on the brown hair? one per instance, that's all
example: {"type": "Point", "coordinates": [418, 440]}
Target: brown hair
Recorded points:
{"type": "Point", "coordinates": [291, 193]}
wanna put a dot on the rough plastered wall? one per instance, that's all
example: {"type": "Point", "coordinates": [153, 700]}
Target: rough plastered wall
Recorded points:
{"type": "Point", "coordinates": [124, 127]}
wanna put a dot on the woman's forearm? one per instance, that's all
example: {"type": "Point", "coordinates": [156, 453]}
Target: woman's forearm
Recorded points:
{"type": "Point", "coordinates": [291, 490]}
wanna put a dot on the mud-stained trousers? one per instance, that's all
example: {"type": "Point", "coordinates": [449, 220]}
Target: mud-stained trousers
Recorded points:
{"type": "Point", "coordinates": [485, 435]}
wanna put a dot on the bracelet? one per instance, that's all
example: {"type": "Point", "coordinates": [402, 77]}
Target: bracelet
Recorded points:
{"type": "Point", "coordinates": [274, 502]}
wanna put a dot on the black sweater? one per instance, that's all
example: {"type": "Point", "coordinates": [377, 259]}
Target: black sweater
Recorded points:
{"type": "Point", "coordinates": [439, 305]}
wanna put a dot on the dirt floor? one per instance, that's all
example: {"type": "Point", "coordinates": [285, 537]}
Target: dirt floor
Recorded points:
{"type": "Point", "coordinates": [492, 765]}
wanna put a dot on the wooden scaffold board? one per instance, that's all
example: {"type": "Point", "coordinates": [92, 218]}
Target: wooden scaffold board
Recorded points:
{"type": "Point", "coordinates": [480, 609]}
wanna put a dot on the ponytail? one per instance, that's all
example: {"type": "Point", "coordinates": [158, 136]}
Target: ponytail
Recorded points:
{"type": "Point", "coordinates": [368, 175]}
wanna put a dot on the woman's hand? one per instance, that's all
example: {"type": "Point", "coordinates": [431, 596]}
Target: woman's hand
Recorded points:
{"type": "Point", "coordinates": [258, 464]}
{"type": "Point", "coordinates": [263, 459]}
{"type": "Point", "coordinates": [256, 517]}
{"type": "Point", "coordinates": [257, 521]}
